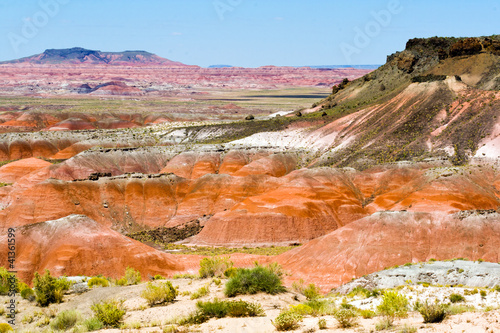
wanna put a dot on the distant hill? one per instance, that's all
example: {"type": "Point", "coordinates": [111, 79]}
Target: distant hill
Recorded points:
{"type": "Point", "coordinates": [220, 66]}
{"type": "Point", "coordinates": [78, 55]}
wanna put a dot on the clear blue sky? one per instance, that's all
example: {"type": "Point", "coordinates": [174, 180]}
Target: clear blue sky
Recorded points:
{"type": "Point", "coordinates": [247, 33]}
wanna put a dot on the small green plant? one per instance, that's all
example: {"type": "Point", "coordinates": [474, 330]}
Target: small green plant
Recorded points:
{"type": "Point", "coordinates": [322, 324]}
{"type": "Point", "coordinates": [287, 321]}
{"type": "Point", "coordinates": [203, 291]}
{"type": "Point", "coordinates": [110, 314]}
{"type": "Point", "coordinates": [221, 309]}
{"type": "Point", "coordinates": [254, 280]}
{"type": "Point", "coordinates": [346, 317]}
{"type": "Point", "coordinates": [4, 327]}
{"type": "Point", "coordinates": [216, 281]}
{"type": "Point", "coordinates": [98, 281]}
{"type": "Point", "coordinates": [483, 293]}
{"type": "Point", "coordinates": [92, 324]}
{"type": "Point", "coordinates": [132, 276]}
{"type": "Point", "coordinates": [312, 292]}
{"type": "Point", "coordinates": [456, 298]}
{"type": "Point", "coordinates": [433, 313]}
{"type": "Point", "coordinates": [49, 289]}
{"type": "Point", "coordinates": [65, 320]}
{"type": "Point", "coordinates": [159, 294]}
{"type": "Point", "coordinates": [215, 266]}
{"type": "Point", "coordinates": [384, 324]}
{"type": "Point", "coordinates": [367, 314]}
{"type": "Point", "coordinates": [393, 305]}
{"type": "Point", "coordinates": [6, 279]}
{"type": "Point", "coordinates": [158, 277]}
{"type": "Point", "coordinates": [28, 294]}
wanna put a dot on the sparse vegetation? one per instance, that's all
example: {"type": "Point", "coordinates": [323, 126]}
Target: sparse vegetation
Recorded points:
{"type": "Point", "coordinates": [433, 313]}
{"type": "Point", "coordinates": [65, 320]}
{"type": "Point", "coordinates": [346, 317]}
{"type": "Point", "coordinates": [214, 267]}
{"type": "Point", "coordinates": [110, 313]}
{"type": "Point", "coordinates": [92, 324]}
{"type": "Point", "coordinates": [393, 305]}
{"type": "Point", "coordinates": [159, 294]}
{"type": "Point", "coordinates": [221, 309]}
{"type": "Point", "coordinates": [49, 289]}
{"type": "Point", "coordinates": [456, 298]}
{"type": "Point", "coordinates": [287, 321]}
{"type": "Point", "coordinates": [202, 291]}
{"type": "Point", "coordinates": [98, 281]}
{"type": "Point", "coordinates": [254, 280]}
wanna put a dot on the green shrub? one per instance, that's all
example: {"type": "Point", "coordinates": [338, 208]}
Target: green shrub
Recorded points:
{"type": "Point", "coordinates": [460, 308]}
{"type": "Point", "coordinates": [4, 327]}
{"type": "Point", "coordinates": [456, 298]}
{"type": "Point", "coordinates": [203, 291]}
{"type": "Point", "coordinates": [393, 305]}
{"type": "Point", "coordinates": [221, 309]}
{"type": "Point", "coordinates": [384, 324]}
{"type": "Point", "coordinates": [433, 313]}
{"type": "Point", "coordinates": [215, 266]}
{"type": "Point", "coordinates": [121, 282]}
{"type": "Point", "coordinates": [49, 289]}
{"type": "Point", "coordinates": [312, 292]}
{"type": "Point", "coordinates": [159, 294]}
{"type": "Point", "coordinates": [483, 293]}
{"type": "Point", "coordinates": [346, 317]}
{"type": "Point", "coordinates": [254, 280]}
{"type": "Point", "coordinates": [242, 308]}
{"type": "Point", "coordinates": [231, 271]}
{"type": "Point", "coordinates": [367, 314]}
{"type": "Point", "coordinates": [132, 276]}
{"type": "Point", "coordinates": [65, 320]}
{"type": "Point", "coordinates": [28, 294]}
{"type": "Point", "coordinates": [158, 277]}
{"type": "Point", "coordinates": [287, 321]}
{"type": "Point", "coordinates": [322, 324]}
{"type": "Point", "coordinates": [92, 324]}
{"type": "Point", "coordinates": [98, 281]}
{"type": "Point", "coordinates": [110, 314]}
{"type": "Point", "coordinates": [320, 307]}
{"type": "Point", "coordinates": [301, 309]}
{"type": "Point", "coordinates": [5, 280]}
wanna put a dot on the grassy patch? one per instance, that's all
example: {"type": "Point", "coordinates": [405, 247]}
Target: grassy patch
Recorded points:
{"type": "Point", "coordinates": [216, 251]}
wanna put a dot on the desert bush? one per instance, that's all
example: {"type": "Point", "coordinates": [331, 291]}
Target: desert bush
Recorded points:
{"type": "Point", "coordinates": [384, 324]}
{"type": "Point", "coordinates": [65, 320]}
{"type": "Point", "coordinates": [322, 324]}
{"type": "Point", "coordinates": [132, 276]}
{"type": "Point", "coordinates": [393, 305]}
{"type": "Point", "coordinates": [312, 292]}
{"type": "Point", "coordinates": [28, 294]}
{"type": "Point", "coordinates": [367, 314]}
{"type": "Point", "coordinates": [110, 314]}
{"type": "Point", "coordinates": [433, 313]}
{"type": "Point", "coordinates": [158, 277]}
{"type": "Point", "coordinates": [159, 294]}
{"type": "Point", "coordinates": [456, 298]}
{"type": "Point", "coordinates": [460, 308]}
{"type": "Point", "coordinates": [407, 329]}
{"type": "Point", "coordinates": [6, 280]}
{"type": "Point", "coordinates": [287, 321]}
{"type": "Point", "coordinates": [215, 266]}
{"type": "Point", "coordinates": [92, 324]}
{"type": "Point", "coordinates": [221, 309]}
{"type": "Point", "coordinates": [203, 291]}
{"type": "Point", "coordinates": [49, 289]}
{"type": "Point", "coordinates": [483, 293]}
{"type": "Point", "coordinates": [254, 280]}
{"type": "Point", "coordinates": [301, 309]}
{"type": "Point", "coordinates": [230, 272]}
{"type": "Point", "coordinates": [4, 327]}
{"type": "Point", "coordinates": [98, 281]}
{"type": "Point", "coordinates": [346, 317]}
{"type": "Point", "coordinates": [320, 307]}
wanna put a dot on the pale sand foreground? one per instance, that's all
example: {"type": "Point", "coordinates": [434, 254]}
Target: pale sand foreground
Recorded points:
{"type": "Point", "coordinates": [140, 317]}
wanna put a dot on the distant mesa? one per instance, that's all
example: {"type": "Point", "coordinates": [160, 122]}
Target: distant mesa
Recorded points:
{"type": "Point", "coordinates": [109, 88]}
{"type": "Point", "coordinates": [78, 55]}
{"type": "Point", "coordinates": [220, 66]}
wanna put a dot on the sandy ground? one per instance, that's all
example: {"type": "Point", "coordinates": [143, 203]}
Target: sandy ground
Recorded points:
{"type": "Point", "coordinates": [142, 318]}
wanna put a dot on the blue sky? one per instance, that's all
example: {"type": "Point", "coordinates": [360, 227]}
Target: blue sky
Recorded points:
{"type": "Point", "coordinates": [247, 33]}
